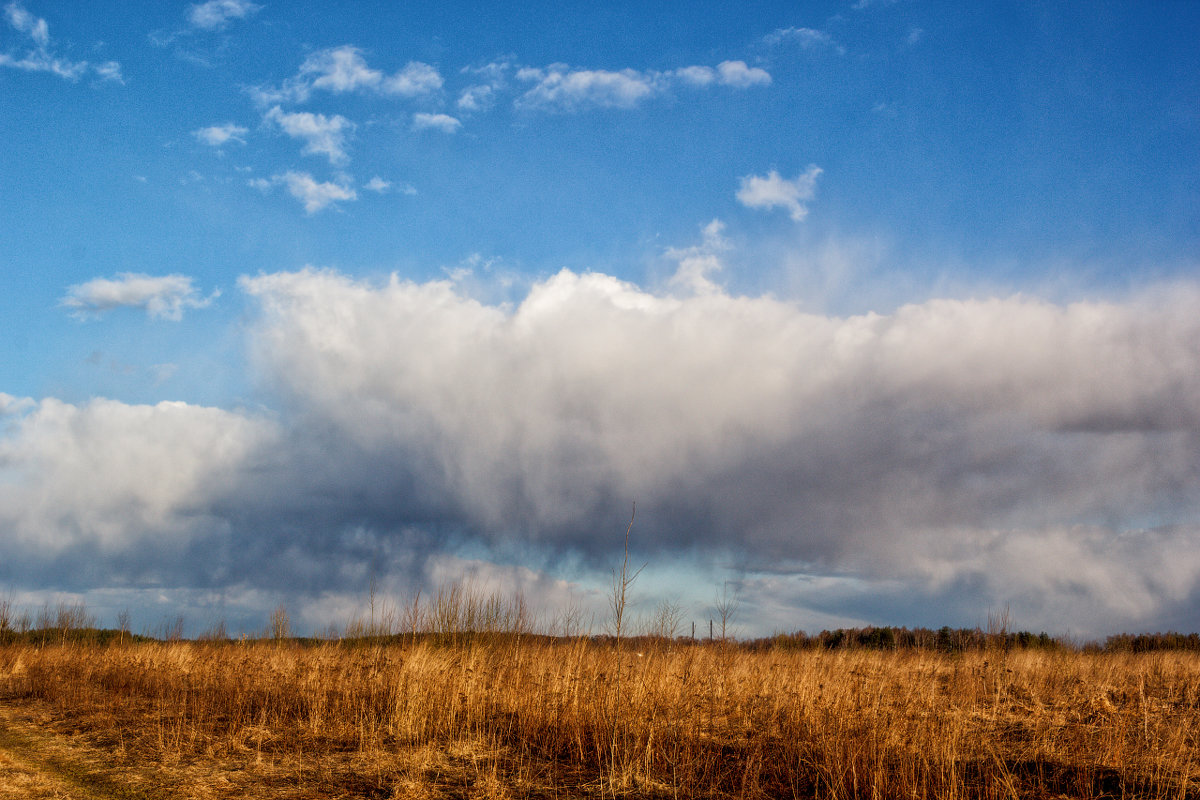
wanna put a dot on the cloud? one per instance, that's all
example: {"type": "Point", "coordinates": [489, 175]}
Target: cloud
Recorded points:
{"type": "Point", "coordinates": [740, 76]}
{"type": "Point", "coordinates": [415, 79]}
{"type": "Point", "coordinates": [41, 58]}
{"type": "Point", "coordinates": [315, 195]}
{"type": "Point", "coordinates": [774, 191]}
{"type": "Point", "coordinates": [106, 479]}
{"type": "Point", "coordinates": [806, 38]}
{"type": "Point", "coordinates": [344, 69]}
{"type": "Point", "coordinates": [697, 263]}
{"type": "Point", "coordinates": [442, 122]}
{"type": "Point", "coordinates": [216, 14]}
{"type": "Point", "coordinates": [162, 297]}
{"type": "Point", "coordinates": [339, 69]}
{"type": "Point", "coordinates": [322, 135]}
{"type": "Point", "coordinates": [697, 76]}
{"type": "Point", "coordinates": [926, 447]}
{"type": "Point", "coordinates": [958, 454]}
{"type": "Point", "coordinates": [560, 87]}
{"type": "Point", "coordinates": [34, 27]}
{"type": "Point", "coordinates": [218, 135]}
{"type": "Point", "coordinates": [478, 97]}
{"type": "Point", "coordinates": [377, 184]}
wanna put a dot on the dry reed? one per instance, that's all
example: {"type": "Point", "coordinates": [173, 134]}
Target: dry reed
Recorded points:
{"type": "Point", "coordinates": [528, 716]}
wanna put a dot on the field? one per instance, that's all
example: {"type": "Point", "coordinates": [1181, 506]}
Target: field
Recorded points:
{"type": "Point", "coordinates": [519, 715]}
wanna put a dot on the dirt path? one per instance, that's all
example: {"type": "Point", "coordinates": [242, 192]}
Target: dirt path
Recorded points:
{"type": "Point", "coordinates": [37, 763]}
{"type": "Point", "coordinates": [44, 756]}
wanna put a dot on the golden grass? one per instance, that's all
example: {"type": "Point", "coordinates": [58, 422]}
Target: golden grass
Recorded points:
{"type": "Point", "coordinates": [512, 717]}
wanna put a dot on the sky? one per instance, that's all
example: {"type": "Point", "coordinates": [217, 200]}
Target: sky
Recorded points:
{"type": "Point", "coordinates": [881, 312]}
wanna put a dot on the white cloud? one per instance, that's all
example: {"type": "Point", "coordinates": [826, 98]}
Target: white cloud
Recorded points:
{"type": "Point", "coordinates": [699, 262]}
{"type": "Point", "coordinates": [322, 135]}
{"type": "Point", "coordinates": [218, 135]}
{"type": "Point", "coordinates": [479, 97]}
{"type": "Point", "coordinates": [315, 195]}
{"type": "Point", "coordinates": [109, 71]}
{"type": "Point", "coordinates": [216, 14]}
{"type": "Point", "coordinates": [943, 445]}
{"type": "Point", "coordinates": [415, 79]}
{"type": "Point", "coordinates": [162, 297]}
{"type": "Point", "coordinates": [377, 184]}
{"type": "Point", "coordinates": [344, 69]}
{"type": "Point", "coordinates": [774, 191]}
{"type": "Point", "coordinates": [697, 76]}
{"type": "Point", "coordinates": [34, 27]}
{"type": "Point", "coordinates": [41, 58]}
{"type": "Point", "coordinates": [740, 76]}
{"type": "Point", "coordinates": [560, 87]}
{"type": "Point", "coordinates": [106, 478]}
{"type": "Point", "coordinates": [442, 122]}
{"type": "Point", "coordinates": [960, 454]}
{"type": "Point", "coordinates": [340, 69]}
{"type": "Point", "coordinates": [807, 38]}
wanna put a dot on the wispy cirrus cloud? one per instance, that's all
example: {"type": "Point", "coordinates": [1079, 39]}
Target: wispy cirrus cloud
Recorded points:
{"type": "Point", "coordinates": [161, 297]}
{"type": "Point", "coordinates": [773, 191]}
{"type": "Point", "coordinates": [42, 58]}
{"type": "Point", "coordinates": [322, 135]}
{"type": "Point", "coordinates": [806, 38]}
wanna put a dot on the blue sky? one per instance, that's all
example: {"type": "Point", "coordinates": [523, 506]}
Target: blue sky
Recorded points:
{"type": "Point", "coordinates": [881, 311]}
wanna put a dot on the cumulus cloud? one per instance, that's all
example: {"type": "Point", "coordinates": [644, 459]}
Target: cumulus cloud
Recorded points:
{"type": "Point", "coordinates": [344, 69]}
{"type": "Point", "coordinates": [738, 75]}
{"type": "Point", "coordinates": [926, 447]}
{"type": "Point", "coordinates": [415, 79]}
{"type": "Point", "coordinates": [441, 122]}
{"type": "Point", "coordinates": [106, 479]}
{"type": "Point", "coordinates": [218, 135]}
{"type": "Point", "coordinates": [162, 297]}
{"type": "Point", "coordinates": [339, 69]}
{"type": "Point", "coordinates": [41, 57]}
{"type": "Point", "coordinates": [315, 195]}
{"type": "Point", "coordinates": [322, 135]}
{"type": "Point", "coordinates": [954, 453]}
{"type": "Point", "coordinates": [478, 97]}
{"type": "Point", "coordinates": [773, 191]}
{"type": "Point", "coordinates": [214, 15]}
{"type": "Point", "coordinates": [697, 263]}
{"type": "Point", "coordinates": [560, 87]}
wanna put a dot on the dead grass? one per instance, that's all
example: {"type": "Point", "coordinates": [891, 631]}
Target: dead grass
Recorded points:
{"type": "Point", "coordinates": [527, 717]}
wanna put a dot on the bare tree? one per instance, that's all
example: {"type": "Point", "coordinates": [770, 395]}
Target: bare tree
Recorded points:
{"type": "Point", "coordinates": [726, 605]}
{"type": "Point", "coordinates": [281, 625]}
{"type": "Point", "coordinates": [618, 598]}
{"type": "Point", "coordinates": [667, 618]}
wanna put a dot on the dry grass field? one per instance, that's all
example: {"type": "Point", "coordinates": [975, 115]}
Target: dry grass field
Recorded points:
{"type": "Point", "coordinates": [514, 716]}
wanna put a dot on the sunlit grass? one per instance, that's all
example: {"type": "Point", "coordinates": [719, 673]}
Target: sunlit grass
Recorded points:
{"type": "Point", "coordinates": [449, 712]}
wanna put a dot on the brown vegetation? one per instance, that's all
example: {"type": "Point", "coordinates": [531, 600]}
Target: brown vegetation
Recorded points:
{"type": "Point", "coordinates": [518, 715]}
